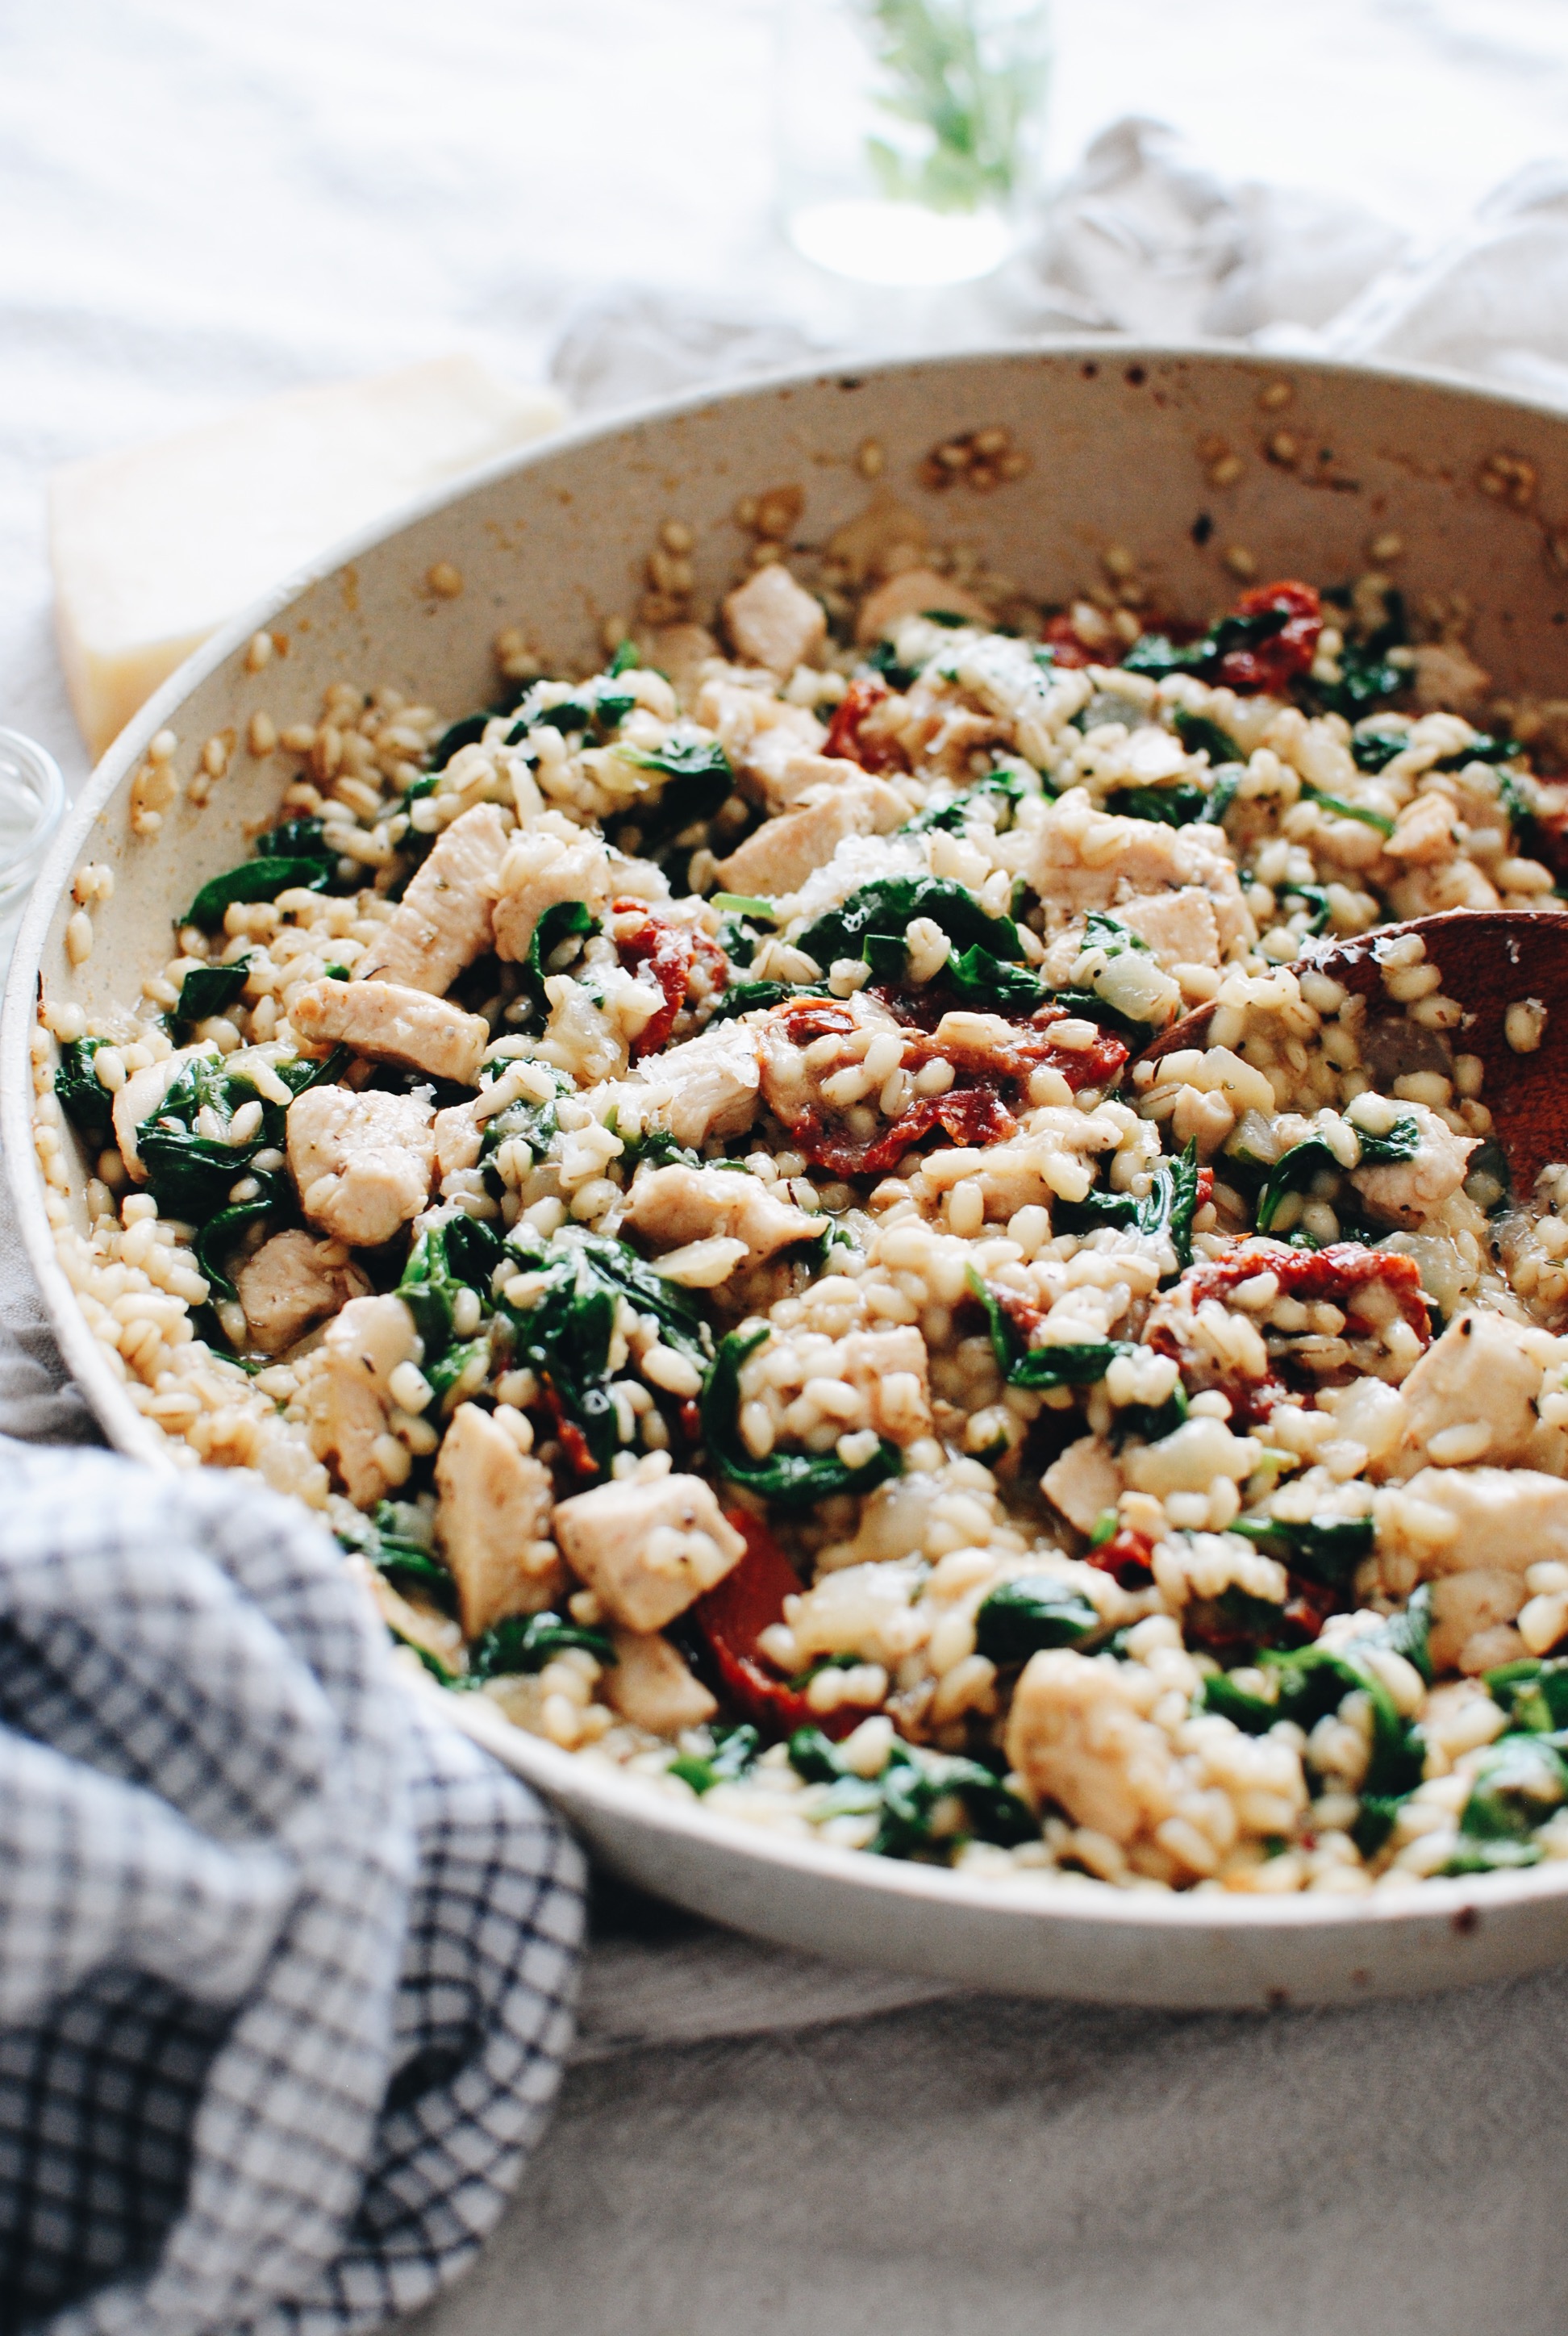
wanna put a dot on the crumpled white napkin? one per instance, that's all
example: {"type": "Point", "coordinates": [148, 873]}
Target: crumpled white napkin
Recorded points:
{"type": "Point", "coordinates": [1493, 301]}
{"type": "Point", "coordinates": [1144, 237]}
{"type": "Point", "coordinates": [1151, 240]}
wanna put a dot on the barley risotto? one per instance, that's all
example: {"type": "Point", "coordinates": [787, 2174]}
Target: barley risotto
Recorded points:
{"type": "Point", "coordinates": [664, 1166]}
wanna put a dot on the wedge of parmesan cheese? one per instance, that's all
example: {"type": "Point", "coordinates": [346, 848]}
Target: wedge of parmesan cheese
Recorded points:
{"type": "Point", "coordinates": [155, 546]}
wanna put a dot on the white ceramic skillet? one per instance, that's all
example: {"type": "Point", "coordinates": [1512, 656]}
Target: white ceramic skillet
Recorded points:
{"type": "Point", "coordinates": [1122, 443]}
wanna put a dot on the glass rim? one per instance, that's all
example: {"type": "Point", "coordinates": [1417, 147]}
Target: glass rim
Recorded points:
{"type": "Point", "coordinates": [42, 783]}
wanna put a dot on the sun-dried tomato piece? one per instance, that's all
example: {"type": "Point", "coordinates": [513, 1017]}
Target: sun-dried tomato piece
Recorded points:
{"type": "Point", "coordinates": [1128, 1556]}
{"type": "Point", "coordinates": [1274, 663]}
{"type": "Point", "coordinates": [574, 1444]}
{"type": "Point", "coordinates": [1308, 1607]}
{"type": "Point", "coordinates": [847, 731]}
{"type": "Point", "coordinates": [669, 952]}
{"type": "Point", "coordinates": [1027, 1047]}
{"type": "Point", "coordinates": [732, 1617]}
{"type": "Point", "coordinates": [968, 1114]}
{"type": "Point", "coordinates": [1099, 1066]}
{"type": "Point", "coordinates": [1331, 1275]}
{"type": "Point", "coordinates": [806, 1019]}
{"type": "Point", "coordinates": [1066, 646]}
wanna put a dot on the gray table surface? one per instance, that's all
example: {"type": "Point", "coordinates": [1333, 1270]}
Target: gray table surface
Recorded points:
{"type": "Point", "coordinates": [751, 2141]}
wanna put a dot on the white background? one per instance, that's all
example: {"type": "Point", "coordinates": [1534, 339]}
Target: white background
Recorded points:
{"type": "Point", "coordinates": [201, 203]}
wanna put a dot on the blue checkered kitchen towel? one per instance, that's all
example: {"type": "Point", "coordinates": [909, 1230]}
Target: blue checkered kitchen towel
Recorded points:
{"type": "Point", "coordinates": [287, 1965]}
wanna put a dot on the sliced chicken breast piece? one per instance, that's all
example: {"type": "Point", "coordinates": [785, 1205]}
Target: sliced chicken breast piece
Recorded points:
{"type": "Point", "coordinates": [362, 1164]}
{"type": "Point", "coordinates": [443, 921]}
{"type": "Point", "coordinates": [392, 1025]}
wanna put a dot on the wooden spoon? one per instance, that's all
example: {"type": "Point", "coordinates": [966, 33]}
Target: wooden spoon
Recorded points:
{"type": "Point", "coordinates": [1490, 960]}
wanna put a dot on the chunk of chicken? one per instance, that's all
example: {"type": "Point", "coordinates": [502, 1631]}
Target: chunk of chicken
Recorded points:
{"type": "Point", "coordinates": [788, 771]}
{"type": "Point", "coordinates": [881, 539]}
{"type": "Point", "coordinates": [647, 1547]}
{"type": "Point", "coordinates": [1448, 679]}
{"type": "Point", "coordinates": [538, 870]}
{"type": "Point", "coordinates": [773, 746]}
{"type": "Point", "coordinates": [492, 1524]}
{"type": "Point", "coordinates": [780, 855]}
{"type": "Point", "coordinates": [681, 651]}
{"type": "Point", "coordinates": [346, 1393]}
{"type": "Point", "coordinates": [911, 594]}
{"type": "Point", "coordinates": [1480, 1373]}
{"type": "Point", "coordinates": [648, 1684]}
{"type": "Point", "coordinates": [291, 1282]}
{"type": "Point", "coordinates": [392, 1025]}
{"type": "Point", "coordinates": [459, 1134]}
{"type": "Point", "coordinates": [676, 1205]}
{"type": "Point", "coordinates": [1180, 928]}
{"type": "Point", "coordinates": [362, 1164]}
{"type": "Point", "coordinates": [1408, 1191]}
{"type": "Point", "coordinates": [708, 1086]}
{"type": "Point", "coordinates": [1504, 1520]}
{"type": "Point", "coordinates": [1087, 859]}
{"type": "Point", "coordinates": [1076, 1738]}
{"type": "Point", "coordinates": [443, 921]}
{"type": "Point", "coordinates": [1084, 1481]}
{"type": "Point", "coordinates": [773, 622]}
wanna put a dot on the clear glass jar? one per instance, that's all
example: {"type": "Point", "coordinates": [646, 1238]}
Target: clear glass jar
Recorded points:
{"type": "Point", "coordinates": [909, 132]}
{"type": "Point", "coordinates": [32, 799]}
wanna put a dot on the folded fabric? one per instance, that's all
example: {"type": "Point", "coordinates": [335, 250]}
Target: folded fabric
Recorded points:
{"type": "Point", "coordinates": [287, 1964]}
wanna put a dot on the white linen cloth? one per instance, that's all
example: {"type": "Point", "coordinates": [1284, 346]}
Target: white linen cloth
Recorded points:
{"type": "Point", "coordinates": [201, 205]}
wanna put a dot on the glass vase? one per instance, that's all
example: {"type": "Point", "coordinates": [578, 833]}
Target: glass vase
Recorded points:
{"type": "Point", "coordinates": [32, 799]}
{"type": "Point", "coordinates": [910, 134]}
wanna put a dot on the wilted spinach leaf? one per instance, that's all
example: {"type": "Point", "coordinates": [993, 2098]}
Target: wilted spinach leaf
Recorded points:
{"type": "Point", "coordinates": [1167, 1208]}
{"type": "Point", "coordinates": [1033, 1611]}
{"type": "Point", "coordinates": [880, 912]}
{"type": "Point", "coordinates": [1176, 805]}
{"type": "Point", "coordinates": [1002, 789]}
{"type": "Point", "coordinates": [734, 1753]}
{"type": "Point", "coordinates": [254, 880]}
{"type": "Point", "coordinates": [208, 989]}
{"type": "Point", "coordinates": [985, 982]}
{"type": "Point", "coordinates": [460, 1252]}
{"type": "Point", "coordinates": [87, 1104]}
{"type": "Point", "coordinates": [905, 1794]}
{"type": "Point", "coordinates": [295, 839]}
{"type": "Point", "coordinates": [561, 921]}
{"type": "Point", "coordinates": [1199, 736]}
{"type": "Point", "coordinates": [563, 1331]}
{"type": "Point", "coordinates": [526, 1642]}
{"type": "Point", "coordinates": [1326, 1549]}
{"type": "Point", "coordinates": [1042, 1366]}
{"type": "Point", "coordinates": [1295, 1169]}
